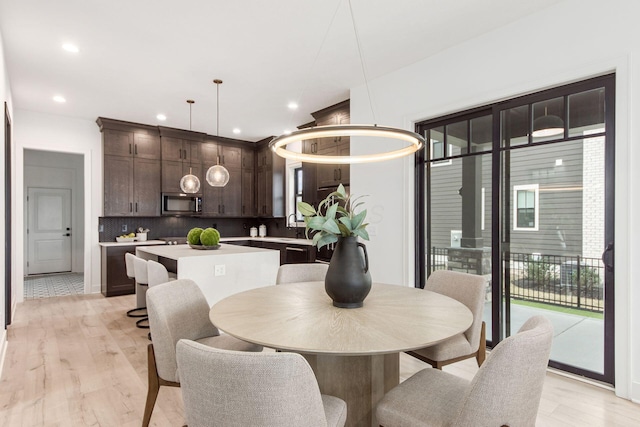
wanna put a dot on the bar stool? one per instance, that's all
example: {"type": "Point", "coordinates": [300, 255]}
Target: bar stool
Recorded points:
{"type": "Point", "coordinates": [141, 304]}
{"type": "Point", "coordinates": [142, 284]}
{"type": "Point", "coordinates": [154, 274]}
{"type": "Point", "coordinates": [157, 273]}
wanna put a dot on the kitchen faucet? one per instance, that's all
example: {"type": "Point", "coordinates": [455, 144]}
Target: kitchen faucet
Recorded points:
{"type": "Point", "coordinates": [294, 226]}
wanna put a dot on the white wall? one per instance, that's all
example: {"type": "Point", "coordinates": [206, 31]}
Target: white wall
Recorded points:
{"type": "Point", "coordinates": [46, 169]}
{"type": "Point", "coordinates": [36, 131]}
{"type": "Point", "coordinates": [573, 40]}
{"type": "Point", "coordinates": [5, 96]}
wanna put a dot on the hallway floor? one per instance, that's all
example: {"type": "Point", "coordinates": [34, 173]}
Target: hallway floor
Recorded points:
{"type": "Point", "coordinates": [53, 285]}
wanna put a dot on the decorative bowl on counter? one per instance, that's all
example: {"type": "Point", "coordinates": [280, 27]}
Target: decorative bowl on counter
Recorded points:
{"type": "Point", "coordinates": [204, 248]}
{"type": "Point", "coordinates": [125, 239]}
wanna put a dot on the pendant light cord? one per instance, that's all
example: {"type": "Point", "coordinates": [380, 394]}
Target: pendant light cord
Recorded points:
{"type": "Point", "coordinates": [364, 72]}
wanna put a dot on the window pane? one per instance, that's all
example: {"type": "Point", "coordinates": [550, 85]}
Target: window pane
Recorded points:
{"type": "Point", "coordinates": [481, 134]}
{"type": "Point", "coordinates": [515, 126]}
{"type": "Point", "coordinates": [457, 136]}
{"type": "Point", "coordinates": [548, 120]}
{"type": "Point", "coordinates": [586, 112]}
{"type": "Point", "coordinates": [436, 137]}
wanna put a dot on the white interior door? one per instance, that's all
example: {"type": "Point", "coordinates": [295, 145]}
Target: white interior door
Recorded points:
{"type": "Point", "coordinates": [48, 230]}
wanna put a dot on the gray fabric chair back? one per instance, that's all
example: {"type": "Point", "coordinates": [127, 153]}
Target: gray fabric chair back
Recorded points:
{"type": "Point", "coordinates": [469, 289]}
{"type": "Point", "coordinates": [128, 262]}
{"type": "Point", "coordinates": [507, 388]}
{"type": "Point", "coordinates": [156, 273]}
{"type": "Point", "coordinates": [140, 268]}
{"type": "Point", "coordinates": [234, 388]}
{"type": "Point", "coordinates": [304, 272]}
{"type": "Point", "coordinates": [177, 310]}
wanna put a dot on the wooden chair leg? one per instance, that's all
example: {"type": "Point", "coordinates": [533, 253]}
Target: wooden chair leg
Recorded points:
{"type": "Point", "coordinates": [154, 386]}
{"type": "Point", "coordinates": [482, 350]}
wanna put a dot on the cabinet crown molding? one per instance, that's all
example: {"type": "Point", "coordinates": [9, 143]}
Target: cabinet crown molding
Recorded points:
{"type": "Point", "coordinates": [106, 123]}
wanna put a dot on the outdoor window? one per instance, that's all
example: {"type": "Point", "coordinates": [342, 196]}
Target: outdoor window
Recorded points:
{"type": "Point", "coordinates": [438, 152]}
{"type": "Point", "coordinates": [525, 207]}
{"type": "Point", "coordinates": [297, 191]}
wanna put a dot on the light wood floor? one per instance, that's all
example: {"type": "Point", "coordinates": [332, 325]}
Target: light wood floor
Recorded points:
{"type": "Point", "coordinates": [79, 361]}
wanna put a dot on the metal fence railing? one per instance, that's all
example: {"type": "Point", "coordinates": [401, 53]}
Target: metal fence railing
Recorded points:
{"type": "Point", "coordinates": [568, 281]}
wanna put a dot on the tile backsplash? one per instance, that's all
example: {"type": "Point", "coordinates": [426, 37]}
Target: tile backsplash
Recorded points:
{"type": "Point", "coordinates": [171, 226]}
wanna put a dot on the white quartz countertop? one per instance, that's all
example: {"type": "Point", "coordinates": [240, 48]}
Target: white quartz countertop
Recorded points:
{"type": "Point", "coordinates": [289, 240]}
{"type": "Point", "coordinates": [134, 243]}
{"type": "Point", "coordinates": [286, 240]}
{"type": "Point", "coordinates": [183, 251]}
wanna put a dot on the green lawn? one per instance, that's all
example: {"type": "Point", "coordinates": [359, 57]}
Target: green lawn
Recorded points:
{"type": "Point", "coordinates": [550, 307]}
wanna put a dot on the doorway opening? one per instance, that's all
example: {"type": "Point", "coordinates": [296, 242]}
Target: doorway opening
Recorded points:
{"type": "Point", "coordinates": [54, 224]}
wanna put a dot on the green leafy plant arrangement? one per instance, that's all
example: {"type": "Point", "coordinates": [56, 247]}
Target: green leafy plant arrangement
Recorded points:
{"type": "Point", "coordinates": [334, 218]}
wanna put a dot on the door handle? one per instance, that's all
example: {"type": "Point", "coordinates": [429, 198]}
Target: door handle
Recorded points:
{"type": "Point", "coordinates": [608, 261]}
{"type": "Point", "coordinates": [68, 234]}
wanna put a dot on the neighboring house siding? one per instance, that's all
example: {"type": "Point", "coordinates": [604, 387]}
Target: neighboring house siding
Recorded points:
{"type": "Point", "coordinates": [560, 206]}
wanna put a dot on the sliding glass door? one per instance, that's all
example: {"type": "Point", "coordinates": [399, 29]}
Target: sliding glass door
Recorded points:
{"type": "Point", "coordinates": [521, 192]}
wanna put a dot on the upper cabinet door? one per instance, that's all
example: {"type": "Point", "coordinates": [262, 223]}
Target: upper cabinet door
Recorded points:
{"type": "Point", "coordinates": [192, 150]}
{"type": "Point", "coordinates": [248, 158]}
{"type": "Point", "coordinates": [118, 142]}
{"type": "Point", "coordinates": [209, 154]}
{"type": "Point", "coordinates": [230, 157]}
{"type": "Point", "coordinates": [172, 149]}
{"type": "Point", "coordinates": [146, 146]}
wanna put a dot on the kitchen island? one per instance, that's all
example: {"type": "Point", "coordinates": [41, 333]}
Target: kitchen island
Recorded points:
{"type": "Point", "coordinates": [220, 272]}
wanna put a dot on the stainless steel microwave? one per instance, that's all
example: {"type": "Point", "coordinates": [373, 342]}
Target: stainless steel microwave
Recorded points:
{"type": "Point", "coordinates": [181, 204]}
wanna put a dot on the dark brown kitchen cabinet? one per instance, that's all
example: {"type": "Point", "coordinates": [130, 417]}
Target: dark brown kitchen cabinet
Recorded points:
{"type": "Point", "coordinates": [248, 183]}
{"type": "Point", "coordinates": [216, 151]}
{"type": "Point", "coordinates": [173, 171]}
{"type": "Point", "coordinates": [331, 175]}
{"type": "Point", "coordinates": [290, 253]}
{"type": "Point", "coordinates": [270, 191]}
{"type": "Point", "coordinates": [181, 151]}
{"type": "Point", "coordinates": [230, 156]}
{"type": "Point", "coordinates": [132, 186]}
{"type": "Point", "coordinates": [224, 201]}
{"type": "Point", "coordinates": [131, 166]}
{"type": "Point", "coordinates": [131, 143]}
{"type": "Point", "coordinates": [114, 280]}
{"type": "Point", "coordinates": [248, 158]}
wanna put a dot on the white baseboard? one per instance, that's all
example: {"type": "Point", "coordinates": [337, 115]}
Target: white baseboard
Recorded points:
{"type": "Point", "coordinates": [3, 349]}
{"type": "Point", "coordinates": [635, 392]}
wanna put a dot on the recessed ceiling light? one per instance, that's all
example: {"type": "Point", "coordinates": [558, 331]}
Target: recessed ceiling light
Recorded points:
{"type": "Point", "coordinates": [70, 48]}
{"type": "Point", "coordinates": [59, 98]}
{"type": "Point", "coordinates": [236, 131]}
{"type": "Point", "coordinates": [286, 132]}
{"type": "Point", "coordinates": [292, 106]}
{"type": "Point", "coordinates": [161, 117]}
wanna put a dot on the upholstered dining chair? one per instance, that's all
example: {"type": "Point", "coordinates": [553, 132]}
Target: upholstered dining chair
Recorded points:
{"type": "Point", "coordinates": [505, 391]}
{"type": "Point", "coordinates": [252, 389]}
{"type": "Point", "coordinates": [177, 310]}
{"type": "Point", "coordinates": [141, 308]}
{"type": "Point", "coordinates": [470, 290]}
{"type": "Point", "coordinates": [303, 272]}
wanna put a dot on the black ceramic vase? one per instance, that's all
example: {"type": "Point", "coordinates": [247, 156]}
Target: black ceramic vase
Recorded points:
{"type": "Point", "coordinates": [348, 281]}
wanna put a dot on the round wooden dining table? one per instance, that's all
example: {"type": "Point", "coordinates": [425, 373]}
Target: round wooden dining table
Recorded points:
{"type": "Point", "coordinates": [354, 353]}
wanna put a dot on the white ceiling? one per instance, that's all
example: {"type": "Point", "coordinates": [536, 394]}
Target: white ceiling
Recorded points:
{"type": "Point", "coordinates": [139, 58]}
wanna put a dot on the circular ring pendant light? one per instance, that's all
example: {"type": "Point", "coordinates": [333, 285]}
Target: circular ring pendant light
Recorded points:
{"type": "Point", "coordinates": [415, 142]}
{"type": "Point", "coordinates": [190, 183]}
{"type": "Point", "coordinates": [217, 175]}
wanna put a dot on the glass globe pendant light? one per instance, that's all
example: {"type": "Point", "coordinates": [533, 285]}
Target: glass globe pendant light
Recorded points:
{"type": "Point", "coordinates": [190, 183]}
{"type": "Point", "coordinates": [217, 175]}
